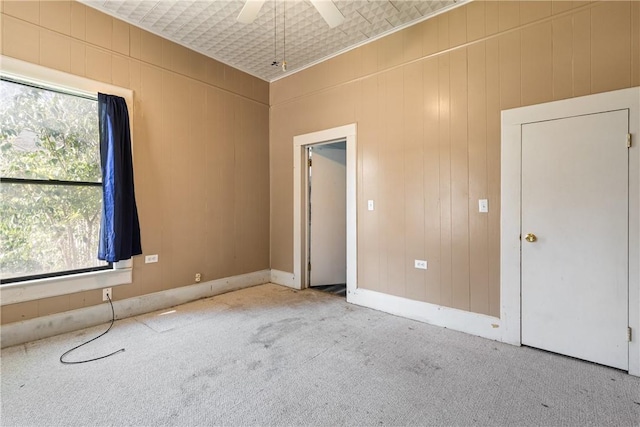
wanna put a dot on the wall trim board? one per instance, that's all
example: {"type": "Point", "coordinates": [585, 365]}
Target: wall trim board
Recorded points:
{"type": "Point", "coordinates": [587, 5]}
{"type": "Point", "coordinates": [283, 278]}
{"type": "Point", "coordinates": [468, 322]}
{"type": "Point", "coordinates": [55, 324]}
{"type": "Point", "coordinates": [147, 63]}
{"type": "Point", "coordinates": [377, 37]}
{"type": "Point", "coordinates": [510, 226]}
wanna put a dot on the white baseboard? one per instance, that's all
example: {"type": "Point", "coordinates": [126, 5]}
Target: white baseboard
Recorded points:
{"type": "Point", "coordinates": [450, 318]}
{"type": "Point", "coordinates": [59, 323]}
{"type": "Point", "coordinates": [283, 278]}
{"type": "Point", "coordinates": [55, 324]}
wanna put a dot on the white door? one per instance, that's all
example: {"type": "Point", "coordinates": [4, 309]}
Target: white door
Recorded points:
{"type": "Point", "coordinates": [575, 201]}
{"type": "Point", "coordinates": [328, 215]}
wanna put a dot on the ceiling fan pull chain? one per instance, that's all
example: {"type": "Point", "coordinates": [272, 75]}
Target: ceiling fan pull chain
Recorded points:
{"type": "Point", "coordinates": [284, 37]}
{"type": "Point", "coordinates": [275, 33]}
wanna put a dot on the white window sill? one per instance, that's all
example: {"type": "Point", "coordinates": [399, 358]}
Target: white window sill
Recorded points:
{"type": "Point", "coordinates": [12, 293]}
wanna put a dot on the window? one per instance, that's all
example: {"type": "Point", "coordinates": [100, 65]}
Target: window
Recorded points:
{"type": "Point", "coordinates": [50, 182]}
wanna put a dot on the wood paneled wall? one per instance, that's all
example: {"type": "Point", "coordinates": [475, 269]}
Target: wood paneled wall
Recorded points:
{"type": "Point", "coordinates": [427, 103]}
{"type": "Point", "coordinates": [200, 145]}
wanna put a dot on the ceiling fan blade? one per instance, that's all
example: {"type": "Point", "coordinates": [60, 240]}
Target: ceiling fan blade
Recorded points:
{"type": "Point", "coordinates": [250, 11]}
{"type": "Point", "coordinates": [329, 12]}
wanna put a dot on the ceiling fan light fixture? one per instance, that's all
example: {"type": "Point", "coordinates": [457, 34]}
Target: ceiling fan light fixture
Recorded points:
{"type": "Point", "coordinates": [250, 11]}
{"type": "Point", "coordinates": [329, 12]}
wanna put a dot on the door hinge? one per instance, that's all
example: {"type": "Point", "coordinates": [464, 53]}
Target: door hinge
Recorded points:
{"type": "Point", "coordinates": [309, 162]}
{"type": "Point", "coordinates": [629, 336]}
{"type": "Point", "coordinates": [309, 266]}
{"type": "Point", "coordinates": [628, 140]}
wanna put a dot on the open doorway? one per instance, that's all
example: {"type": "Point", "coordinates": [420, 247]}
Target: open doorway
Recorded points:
{"type": "Point", "coordinates": [327, 217]}
{"type": "Point", "coordinates": [347, 135]}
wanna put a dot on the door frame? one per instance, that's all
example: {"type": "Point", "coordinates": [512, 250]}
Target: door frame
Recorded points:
{"type": "Point", "coordinates": [345, 133]}
{"type": "Point", "coordinates": [510, 227]}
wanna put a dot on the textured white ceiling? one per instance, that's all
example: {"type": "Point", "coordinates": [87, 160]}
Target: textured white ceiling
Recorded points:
{"type": "Point", "coordinates": [210, 27]}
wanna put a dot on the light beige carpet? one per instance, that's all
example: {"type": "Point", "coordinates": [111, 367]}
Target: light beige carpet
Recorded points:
{"type": "Point", "coordinates": [274, 356]}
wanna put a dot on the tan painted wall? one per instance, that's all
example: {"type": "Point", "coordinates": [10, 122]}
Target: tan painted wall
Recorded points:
{"type": "Point", "coordinates": [200, 142]}
{"type": "Point", "coordinates": [427, 103]}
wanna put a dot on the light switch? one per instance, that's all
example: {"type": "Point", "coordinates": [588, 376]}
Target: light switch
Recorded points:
{"type": "Point", "coordinates": [483, 205]}
{"type": "Point", "coordinates": [370, 205]}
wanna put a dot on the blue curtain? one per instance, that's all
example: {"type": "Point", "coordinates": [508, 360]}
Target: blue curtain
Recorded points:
{"type": "Point", "coordinates": [119, 229]}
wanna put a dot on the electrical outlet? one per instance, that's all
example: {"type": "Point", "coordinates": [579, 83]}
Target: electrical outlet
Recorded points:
{"type": "Point", "coordinates": [151, 258]}
{"type": "Point", "coordinates": [421, 264]}
{"type": "Point", "coordinates": [106, 294]}
{"type": "Point", "coordinates": [198, 277]}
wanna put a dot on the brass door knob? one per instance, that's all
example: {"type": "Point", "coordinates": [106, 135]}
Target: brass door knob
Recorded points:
{"type": "Point", "coordinates": [530, 238]}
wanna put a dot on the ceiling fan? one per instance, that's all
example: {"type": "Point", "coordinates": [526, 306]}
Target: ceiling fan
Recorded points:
{"type": "Point", "coordinates": [325, 8]}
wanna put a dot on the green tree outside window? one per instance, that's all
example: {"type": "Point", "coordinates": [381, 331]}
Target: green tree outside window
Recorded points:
{"type": "Point", "coordinates": [50, 194]}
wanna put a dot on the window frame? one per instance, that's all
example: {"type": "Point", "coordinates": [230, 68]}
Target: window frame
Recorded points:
{"type": "Point", "coordinates": [38, 287]}
{"type": "Point", "coordinates": [35, 181]}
